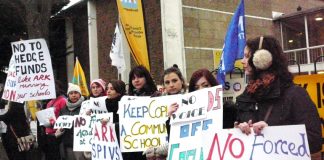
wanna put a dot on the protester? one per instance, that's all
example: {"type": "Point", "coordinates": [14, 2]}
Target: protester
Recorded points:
{"type": "Point", "coordinates": [98, 88]}
{"type": "Point", "coordinates": [140, 84]}
{"type": "Point", "coordinates": [115, 91]}
{"type": "Point", "coordinates": [203, 78]}
{"type": "Point", "coordinates": [271, 98]}
{"type": "Point", "coordinates": [51, 145]}
{"type": "Point", "coordinates": [173, 83]}
{"type": "Point", "coordinates": [200, 79]}
{"type": "Point", "coordinates": [17, 127]}
{"type": "Point", "coordinates": [73, 105]}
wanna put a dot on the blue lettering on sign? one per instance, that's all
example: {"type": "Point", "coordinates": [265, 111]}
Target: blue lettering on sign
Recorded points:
{"type": "Point", "coordinates": [185, 129]}
{"type": "Point", "coordinates": [281, 146]}
{"type": "Point", "coordinates": [103, 152]}
{"type": "Point", "coordinates": [135, 112]}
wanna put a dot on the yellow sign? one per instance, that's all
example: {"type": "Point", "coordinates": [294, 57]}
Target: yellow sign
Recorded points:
{"type": "Point", "coordinates": [217, 58]}
{"type": "Point", "coordinates": [131, 15]}
{"type": "Point", "coordinates": [79, 78]}
{"type": "Point", "coordinates": [314, 84]}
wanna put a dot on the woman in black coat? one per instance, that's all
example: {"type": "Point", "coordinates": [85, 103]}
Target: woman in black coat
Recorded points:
{"type": "Point", "coordinates": [271, 97]}
{"type": "Point", "coordinates": [16, 122]}
{"type": "Point", "coordinates": [140, 84]}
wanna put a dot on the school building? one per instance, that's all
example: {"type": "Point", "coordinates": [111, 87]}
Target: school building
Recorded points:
{"type": "Point", "coordinates": [189, 33]}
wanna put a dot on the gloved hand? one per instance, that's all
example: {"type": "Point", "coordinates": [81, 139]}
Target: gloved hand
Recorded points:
{"type": "Point", "coordinates": [59, 132]}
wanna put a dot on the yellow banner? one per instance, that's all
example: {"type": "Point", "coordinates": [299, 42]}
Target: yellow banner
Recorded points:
{"type": "Point", "coordinates": [131, 15]}
{"type": "Point", "coordinates": [314, 84]}
{"type": "Point", "coordinates": [217, 58]}
{"type": "Point", "coordinates": [79, 78]}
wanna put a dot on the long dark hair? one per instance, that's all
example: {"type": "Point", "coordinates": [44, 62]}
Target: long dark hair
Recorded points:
{"type": "Point", "coordinates": [140, 71]}
{"type": "Point", "coordinates": [178, 73]}
{"type": "Point", "coordinates": [201, 73]}
{"type": "Point", "coordinates": [279, 66]}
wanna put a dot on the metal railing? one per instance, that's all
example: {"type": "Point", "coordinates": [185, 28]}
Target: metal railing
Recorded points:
{"type": "Point", "coordinates": [306, 55]}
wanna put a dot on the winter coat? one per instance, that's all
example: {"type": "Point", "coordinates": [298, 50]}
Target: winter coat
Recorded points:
{"type": "Point", "coordinates": [112, 106]}
{"type": "Point", "coordinates": [58, 104]}
{"type": "Point", "coordinates": [67, 137]}
{"type": "Point", "coordinates": [16, 118]}
{"type": "Point", "coordinates": [291, 105]}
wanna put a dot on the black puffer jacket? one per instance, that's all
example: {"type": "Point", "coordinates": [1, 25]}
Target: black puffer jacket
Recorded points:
{"type": "Point", "coordinates": [291, 105]}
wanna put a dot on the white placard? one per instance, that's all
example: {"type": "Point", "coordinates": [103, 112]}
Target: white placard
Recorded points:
{"type": "Point", "coordinates": [64, 122]}
{"type": "Point", "coordinates": [98, 105]}
{"type": "Point", "coordinates": [83, 130]}
{"type": "Point", "coordinates": [142, 122]}
{"type": "Point", "coordinates": [195, 105]}
{"type": "Point", "coordinates": [105, 143]}
{"type": "Point", "coordinates": [30, 73]}
{"type": "Point", "coordinates": [45, 115]}
{"type": "Point", "coordinates": [271, 144]}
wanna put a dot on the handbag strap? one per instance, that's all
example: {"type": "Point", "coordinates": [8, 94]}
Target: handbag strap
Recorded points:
{"type": "Point", "coordinates": [13, 131]}
{"type": "Point", "coordinates": [268, 113]}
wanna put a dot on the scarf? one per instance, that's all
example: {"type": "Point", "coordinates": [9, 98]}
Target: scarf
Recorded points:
{"type": "Point", "coordinates": [262, 86]}
{"type": "Point", "coordinates": [72, 106]}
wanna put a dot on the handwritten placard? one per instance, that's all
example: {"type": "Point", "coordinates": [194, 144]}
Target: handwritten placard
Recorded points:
{"type": "Point", "coordinates": [142, 122]}
{"type": "Point", "coordinates": [98, 105]}
{"type": "Point", "coordinates": [271, 144]}
{"type": "Point", "coordinates": [83, 130]}
{"type": "Point", "coordinates": [195, 105]}
{"type": "Point", "coordinates": [104, 143]}
{"type": "Point", "coordinates": [30, 73]}
{"type": "Point", "coordinates": [64, 122]}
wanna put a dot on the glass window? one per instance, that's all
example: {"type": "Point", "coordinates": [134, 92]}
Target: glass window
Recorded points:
{"type": "Point", "coordinates": [293, 31]}
{"type": "Point", "coordinates": [315, 23]}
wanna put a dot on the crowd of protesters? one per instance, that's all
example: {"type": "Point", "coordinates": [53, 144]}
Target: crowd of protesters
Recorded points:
{"type": "Point", "coordinates": [270, 99]}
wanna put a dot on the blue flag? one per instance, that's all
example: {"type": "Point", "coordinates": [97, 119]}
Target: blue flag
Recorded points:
{"type": "Point", "coordinates": [234, 44]}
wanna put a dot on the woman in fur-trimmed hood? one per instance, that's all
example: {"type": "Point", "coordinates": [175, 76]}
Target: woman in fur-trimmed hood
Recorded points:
{"type": "Point", "coordinates": [271, 98]}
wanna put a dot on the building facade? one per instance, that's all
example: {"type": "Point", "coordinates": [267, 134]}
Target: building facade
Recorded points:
{"type": "Point", "coordinates": [189, 33]}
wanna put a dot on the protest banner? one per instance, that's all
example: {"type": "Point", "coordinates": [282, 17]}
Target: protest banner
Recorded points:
{"type": "Point", "coordinates": [98, 105]}
{"type": "Point", "coordinates": [195, 105]}
{"type": "Point", "coordinates": [271, 144]}
{"type": "Point", "coordinates": [44, 116]}
{"type": "Point", "coordinates": [187, 135]}
{"type": "Point", "coordinates": [30, 73]}
{"type": "Point", "coordinates": [105, 143]}
{"type": "Point", "coordinates": [142, 121]}
{"type": "Point", "coordinates": [64, 122]}
{"type": "Point", "coordinates": [83, 130]}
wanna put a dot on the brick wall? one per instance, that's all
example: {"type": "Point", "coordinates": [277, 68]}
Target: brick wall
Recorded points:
{"type": "Point", "coordinates": [107, 17]}
{"type": "Point", "coordinates": [152, 12]}
{"type": "Point", "coordinates": [207, 29]}
{"type": "Point", "coordinates": [107, 14]}
{"type": "Point", "coordinates": [80, 37]}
